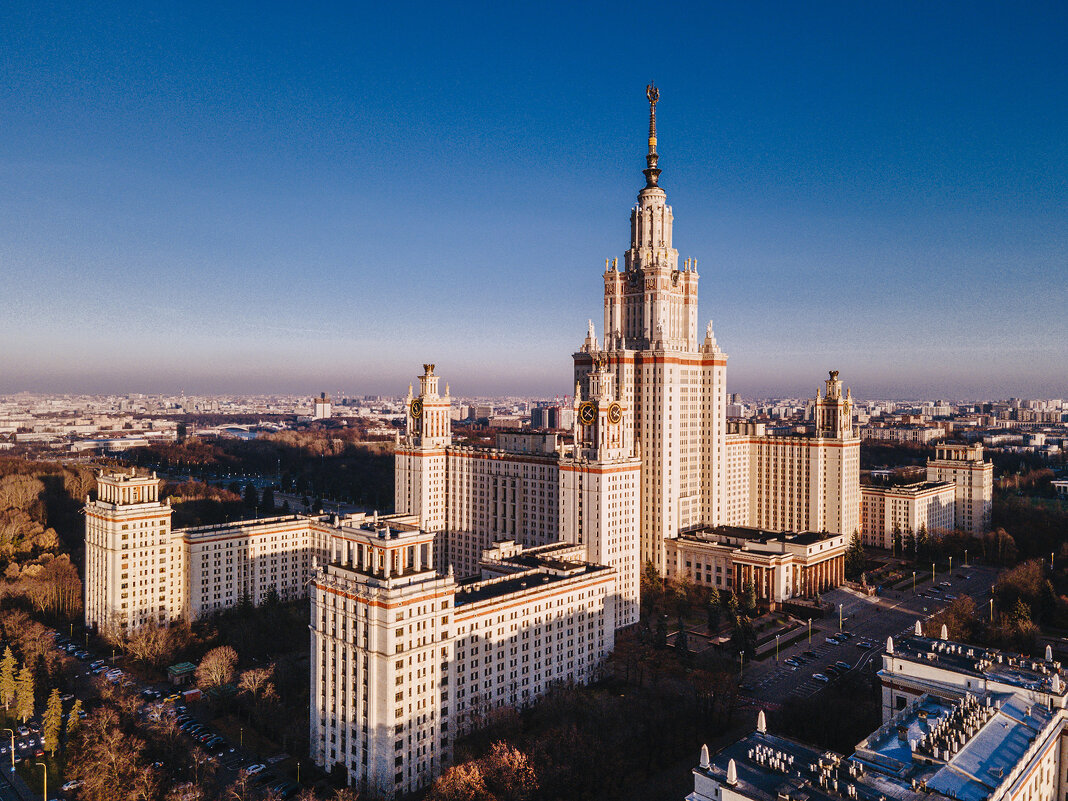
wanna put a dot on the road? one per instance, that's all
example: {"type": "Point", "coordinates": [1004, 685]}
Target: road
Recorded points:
{"type": "Point", "coordinates": [874, 617]}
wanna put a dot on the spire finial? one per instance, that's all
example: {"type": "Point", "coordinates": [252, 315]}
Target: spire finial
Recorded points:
{"type": "Point", "coordinates": [652, 174]}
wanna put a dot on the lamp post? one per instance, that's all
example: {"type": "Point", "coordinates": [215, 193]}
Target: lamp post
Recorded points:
{"type": "Point", "coordinates": [741, 663]}
{"type": "Point", "coordinates": [932, 574]}
{"type": "Point", "coordinates": [913, 582]}
{"type": "Point", "coordinates": [810, 631]}
{"type": "Point", "coordinates": [965, 557]}
{"type": "Point", "coordinates": [241, 737]}
{"type": "Point", "coordinates": [776, 647]}
{"type": "Point", "coordinates": [298, 773]}
{"type": "Point", "coordinates": [12, 749]}
{"type": "Point", "coordinates": [44, 767]}
{"type": "Point", "coordinates": [951, 565]}
{"type": "Point", "coordinates": [991, 610]}
{"type": "Point", "coordinates": [839, 617]}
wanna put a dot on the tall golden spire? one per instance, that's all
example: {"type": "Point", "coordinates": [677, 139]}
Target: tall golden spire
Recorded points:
{"type": "Point", "coordinates": [652, 174]}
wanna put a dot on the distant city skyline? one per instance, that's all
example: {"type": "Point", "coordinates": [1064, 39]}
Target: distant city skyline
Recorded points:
{"type": "Point", "coordinates": [255, 200]}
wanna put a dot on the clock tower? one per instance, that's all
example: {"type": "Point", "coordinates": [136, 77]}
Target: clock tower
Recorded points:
{"type": "Point", "coordinates": [599, 484]}
{"type": "Point", "coordinates": [420, 463]}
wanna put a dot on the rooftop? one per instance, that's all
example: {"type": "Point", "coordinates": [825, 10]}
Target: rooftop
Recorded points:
{"type": "Point", "coordinates": [963, 749]}
{"type": "Point", "coordinates": [757, 535]}
{"type": "Point", "coordinates": [542, 572]}
{"type": "Point", "coordinates": [1009, 670]}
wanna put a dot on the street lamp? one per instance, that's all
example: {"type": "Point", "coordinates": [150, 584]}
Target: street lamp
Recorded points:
{"type": "Point", "coordinates": [951, 565]}
{"type": "Point", "coordinates": [913, 582]}
{"type": "Point", "coordinates": [45, 768]}
{"type": "Point", "coordinates": [776, 647]}
{"type": "Point", "coordinates": [810, 631]}
{"type": "Point", "coordinates": [12, 749]}
{"type": "Point", "coordinates": [839, 617]}
{"type": "Point", "coordinates": [965, 557]}
{"type": "Point", "coordinates": [241, 735]}
{"type": "Point", "coordinates": [932, 574]}
{"type": "Point", "coordinates": [991, 610]}
{"type": "Point", "coordinates": [741, 663]}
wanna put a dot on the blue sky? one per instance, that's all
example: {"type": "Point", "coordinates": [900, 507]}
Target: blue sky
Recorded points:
{"type": "Point", "coordinates": [294, 197]}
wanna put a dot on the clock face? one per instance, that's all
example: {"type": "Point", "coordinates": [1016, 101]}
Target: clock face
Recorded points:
{"type": "Point", "coordinates": [587, 413]}
{"type": "Point", "coordinates": [417, 408]}
{"type": "Point", "coordinates": [615, 413]}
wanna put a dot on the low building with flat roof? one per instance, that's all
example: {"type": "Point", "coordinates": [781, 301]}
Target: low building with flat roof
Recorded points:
{"type": "Point", "coordinates": [779, 564]}
{"type": "Point", "coordinates": [962, 724]}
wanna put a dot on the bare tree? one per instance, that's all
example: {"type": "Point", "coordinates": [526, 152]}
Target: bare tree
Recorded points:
{"type": "Point", "coordinates": [217, 667]}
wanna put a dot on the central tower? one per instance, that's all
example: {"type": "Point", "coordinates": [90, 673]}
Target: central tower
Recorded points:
{"type": "Point", "coordinates": [674, 382]}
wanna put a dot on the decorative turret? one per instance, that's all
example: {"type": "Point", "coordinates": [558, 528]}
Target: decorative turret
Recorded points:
{"type": "Point", "coordinates": [762, 722]}
{"type": "Point", "coordinates": [704, 763]}
{"type": "Point", "coordinates": [732, 773]}
{"type": "Point", "coordinates": [918, 629]}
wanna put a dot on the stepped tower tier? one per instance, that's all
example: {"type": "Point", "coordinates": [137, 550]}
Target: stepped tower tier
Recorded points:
{"type": "Point", "coordinates": [672, 382]}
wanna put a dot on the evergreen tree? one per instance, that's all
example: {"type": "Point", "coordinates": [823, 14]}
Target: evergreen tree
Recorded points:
{"type": "Point", "coordinates": [908, 544]}
{"type": "Point", "coordinates": [24, 704]}
{"type": "Point", "coordinates": [713, 610]}
{"type": "Point", "coordinates": [854, 556]}
{"type": "Point", "coordinates": [267, 501]}
{"type": "Point", "coordinates": [749, 599]}
{"type": "Point", "coordinates": [75, 719]}
{"type": "Point", "coordinates": [52, 724]}
{"type": "Point", "coordinates": [252, 498]}
{"type": "Point", "coordinates": [896, 542]}
{"type": "Point", "coordinates": [7, 678]}
{"type": "Point", "coordinates": [922, 541]}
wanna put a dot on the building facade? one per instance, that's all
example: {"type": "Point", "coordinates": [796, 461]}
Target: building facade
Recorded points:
{"type": "Point", "coordinates": [778, 565]}
{"type": "Point", "coordinates": [964, 467]}
{"type": "Point", "coordinates": [905, 508]}
{"type": "Point", "coordinates": [405, 659]}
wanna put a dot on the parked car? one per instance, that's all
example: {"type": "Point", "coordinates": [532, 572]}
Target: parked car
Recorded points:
{"type": "Point", "coordinates": [820, 677]}
{"type": "Point", "coordinates": [843, 666]}
{"type": "Point", "coordinates": [809, 654]}
{"type": "Point", "coordinates": [833, 641]}
{"type": "Point", "coordinates": [74, 784]}
{"type": "Point", "coordinates": [252, 770]}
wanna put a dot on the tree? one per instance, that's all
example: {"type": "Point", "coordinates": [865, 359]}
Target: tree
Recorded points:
{"type": "Point", "coordinates": [267, 501]}
{"type": "Point", "coordinates": [908, 544]}
{"type": "Point", "coordinates": [257, 682]}
{"type": "Point", "coordinates": [504, 772]}
{"type": "Point", "coordinates": [749, 598]}
{"type": "Point", "coordinates": [854, 556]}
{"type": "Point", "coordinates": [713, 610]}
{"type": "Point", "coordinates": [74, 720]}
{"type": "Point", "coordinates": [7, 678]}
{"type": "Point", "coordinates": [896, 543]}
{"type": "Point", "coordinates": [252, 497]}
{"type": "Point", "coordinates": [24, 705]}
{"type": "Point", "coordinates": [217, 667]}
{"type": "Point", "coordinates": [52, 723]}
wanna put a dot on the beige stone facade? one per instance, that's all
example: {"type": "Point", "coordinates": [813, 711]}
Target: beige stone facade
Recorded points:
{"type": "Point", "coordinates": [905, 508]}
{"type": "Point", "coordinates": [964, 467]}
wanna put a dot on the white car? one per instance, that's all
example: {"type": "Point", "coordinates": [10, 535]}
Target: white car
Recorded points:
{"type": "Point", "coordinates": [71, 785]}
{"type": "Point", "coordinates": [252, 770]}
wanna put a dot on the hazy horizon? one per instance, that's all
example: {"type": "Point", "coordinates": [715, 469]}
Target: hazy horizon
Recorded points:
{"type": "Point", "coordinates": [252, 200]}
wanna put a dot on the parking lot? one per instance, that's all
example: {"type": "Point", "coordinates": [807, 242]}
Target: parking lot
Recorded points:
{"type": "Point", "coordinates": [868, 621]}
{"type": "Point", "coordinates": [159, 703]}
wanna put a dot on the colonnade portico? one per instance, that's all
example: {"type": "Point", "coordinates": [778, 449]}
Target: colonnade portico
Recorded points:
{"type": "Point", "coordinates": [806, 580]}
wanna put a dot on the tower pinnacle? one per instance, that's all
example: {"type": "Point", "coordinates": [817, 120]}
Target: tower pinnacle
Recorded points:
{"type": "Point", "coordinates": [652, 173]}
